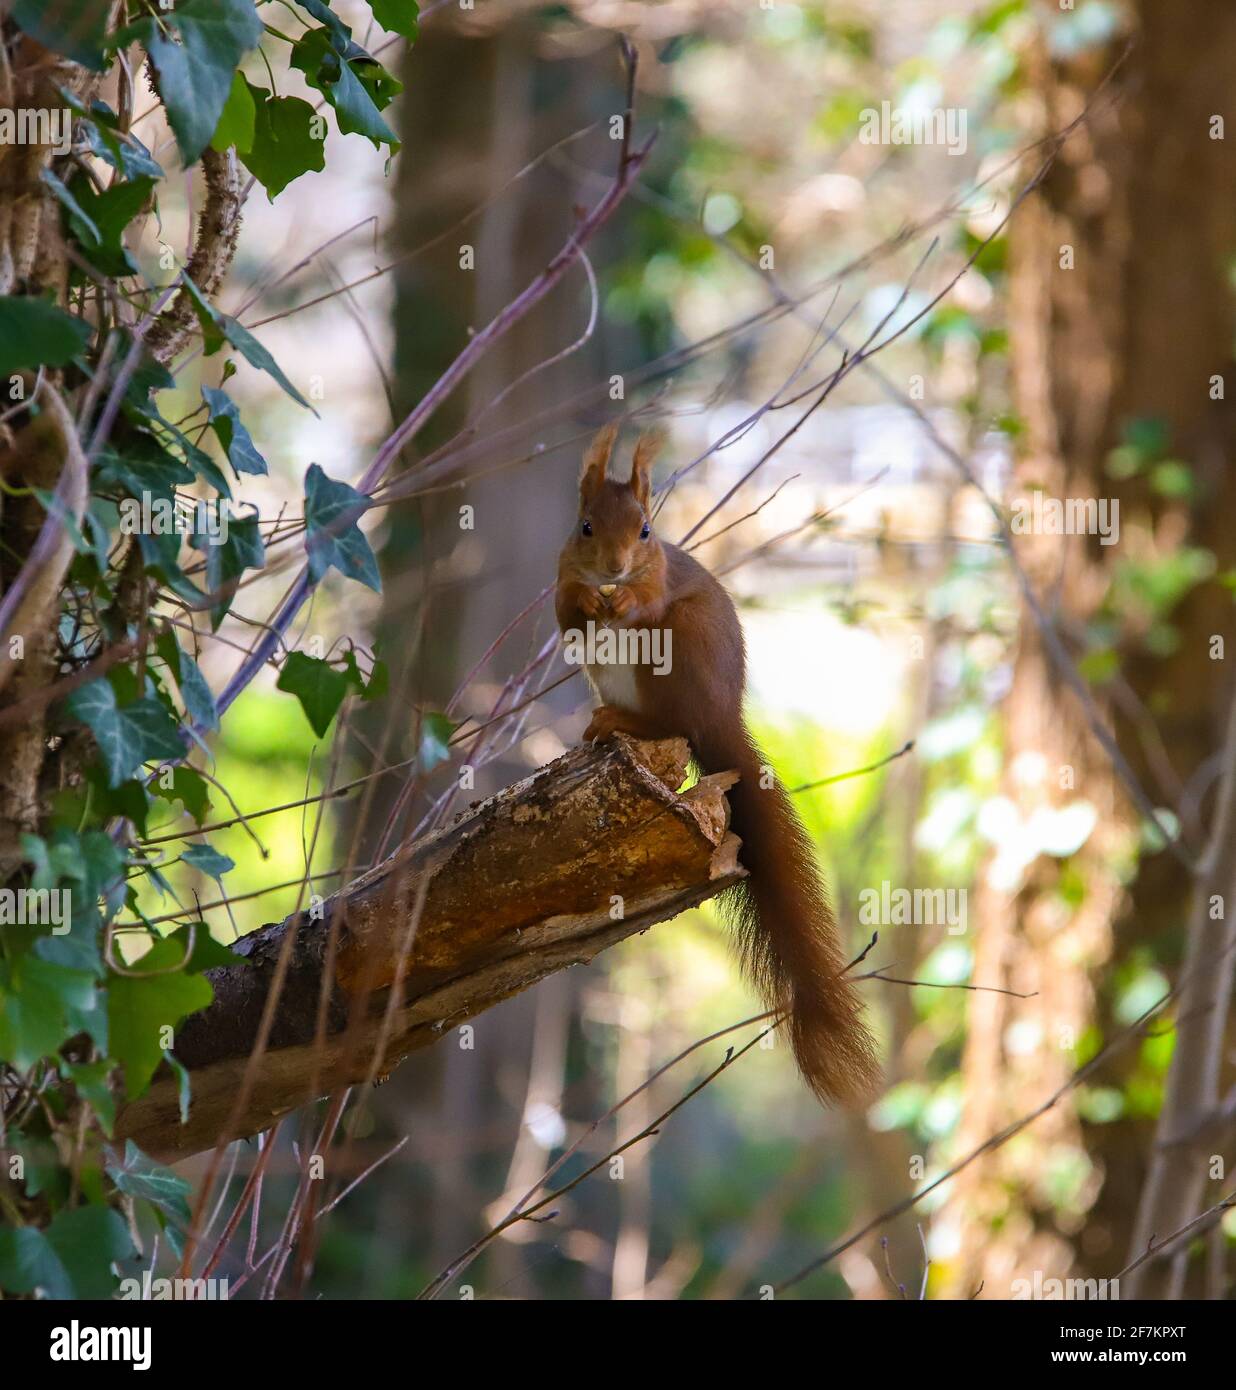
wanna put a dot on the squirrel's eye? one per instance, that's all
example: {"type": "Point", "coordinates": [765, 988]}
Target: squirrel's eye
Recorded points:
{"type": "Point", "coordinates": [587, 528]}
{"type": "Point", "coordinates": [646, 532]}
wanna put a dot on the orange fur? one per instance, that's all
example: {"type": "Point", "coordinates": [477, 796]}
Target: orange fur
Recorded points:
{"type": "Point", "coordinates": [787, 937]}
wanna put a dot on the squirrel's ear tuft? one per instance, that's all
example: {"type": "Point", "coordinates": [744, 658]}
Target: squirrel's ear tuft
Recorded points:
{"type": "Point", "coordinates": [596, 460]}
{"type": "Point", "coordinates": [647, 447]}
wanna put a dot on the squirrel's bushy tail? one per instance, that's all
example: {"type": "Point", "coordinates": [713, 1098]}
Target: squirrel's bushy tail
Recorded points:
{"type": "Point", "coordinates": [787, 937]}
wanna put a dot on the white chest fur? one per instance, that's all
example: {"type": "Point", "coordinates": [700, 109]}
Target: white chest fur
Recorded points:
{"type": "Point", "coordinates": [614, 685]}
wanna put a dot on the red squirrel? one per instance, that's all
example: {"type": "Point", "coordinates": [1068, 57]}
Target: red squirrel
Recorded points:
{"type": "Point", "coordinates": [615, 572]}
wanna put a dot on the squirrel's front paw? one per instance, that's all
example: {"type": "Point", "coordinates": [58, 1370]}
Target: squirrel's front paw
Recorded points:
{"type": "Point", "coordinates": [591, 604]}
{"type": "Point", "coordinates": [605, 722]}
{"type": "Point", "coordinates": [621, 601]}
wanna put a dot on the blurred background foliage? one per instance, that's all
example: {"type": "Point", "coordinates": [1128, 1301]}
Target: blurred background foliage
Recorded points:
{"type": "Point", "coordinates": [893, 617]}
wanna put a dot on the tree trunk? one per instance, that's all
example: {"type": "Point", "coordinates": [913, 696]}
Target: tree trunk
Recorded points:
{"type": "Point", "coordinates": [1133, 327]}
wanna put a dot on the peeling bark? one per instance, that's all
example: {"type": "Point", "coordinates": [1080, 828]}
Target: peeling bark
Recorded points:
{"type": "Point", "coordinates": [589, 850]}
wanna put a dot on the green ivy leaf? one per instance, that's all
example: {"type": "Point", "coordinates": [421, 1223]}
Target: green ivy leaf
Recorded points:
{"type": "Point", "coordinates": [34, 333]}
{"type": "Point", "coordinates": [352, 672]}
{"type": "Point", "coordinates": [332, 510]}
{"type": "Point", "coordinates": [54, 506]}
{"type": "Point", "coordinates": [144, 866]}
{"type": "Point", "coordinates": [142, 1003]}
{"type": "Point", "coordinates": [243, 550]}
{"type": "Point", "coordinates": [101, 861]}
{"type": "Point", "coordinates": [73, 207]}
{"type": "Point", "coordinates": [397, 16]}
{"type": "Point", "coordinates": [141, 1177]}
{"type": "Point", "coordinates": [101, 218]}
{"type": "Point", "coordinates": [165, 434]}
{"type": "Point", "coordinates": [196, 693]}
{"type": "Point", "coordinates": [45, 1175]}
{"type": "Point", "coordinates": [284, 145]}
{"type": "Point", "coordinates": [37, 999]}
{"type": "Point", "coordinates": [77, 950]}
{"type": "Point", "coordinates": [122, 150]}
{"type": "Point", "coordinates": [130, 800]}
{"type": "Point", "coordinates": [218, 328]}
{"type": "Point", "coordinates": [207, 954]}
{"type": "Point", "coordinates": [92, 1021]}
{"type": "Point", "coordinates": [317, 685]}
{"type": "Point", "coordinates": [183, 1087]}
{"type": "Point", "coordinates": [93, 867]}
{"type": "Point", "coordinates": [127, 737]}
{"type": "Point", "coordinates": [93, 1082]}
{"type": "Point", "coordinates": [53, 860]}
{"type": "Point", "coordinates": [340, 33]}
{"type": "Point", "coordinates": [161, 555]}
{"type": "Point", "coordinates": [72, 1258]}
{"type": "Point", "coordinates": [236, 123]}
{"type": "Point", "coordinates": [436, 731]}
{"type": "Point", "coordinates": [383, 87]}
{"type": "Point", "coordinates": [209, 861]}
{"type": "Point", "coordinates": [195, 75]}
{"type": "Point", "coordinates": [200, 462]}
{"type": "Point", "coordinates": [143, 466]}
{"type": "Point", "coordinates": [377, 684]}
{"type": "Point", "coordinates": [198, 698]}
{"type": "Point", "coordinates": [317, 54]}
{"type": "Point", "coordinates": [231, 433]}
{"type": "Point", "coordinates": [189, 787]}
{"type": "Point", "coordinates": [78, 31]}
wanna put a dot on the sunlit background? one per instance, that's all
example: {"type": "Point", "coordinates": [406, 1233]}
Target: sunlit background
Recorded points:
{"type": "Point", "coordinates": [878, 605]}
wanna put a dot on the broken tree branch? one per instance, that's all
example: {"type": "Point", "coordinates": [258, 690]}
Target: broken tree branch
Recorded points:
{"type": "Point", "coordinates": [584, 853]}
